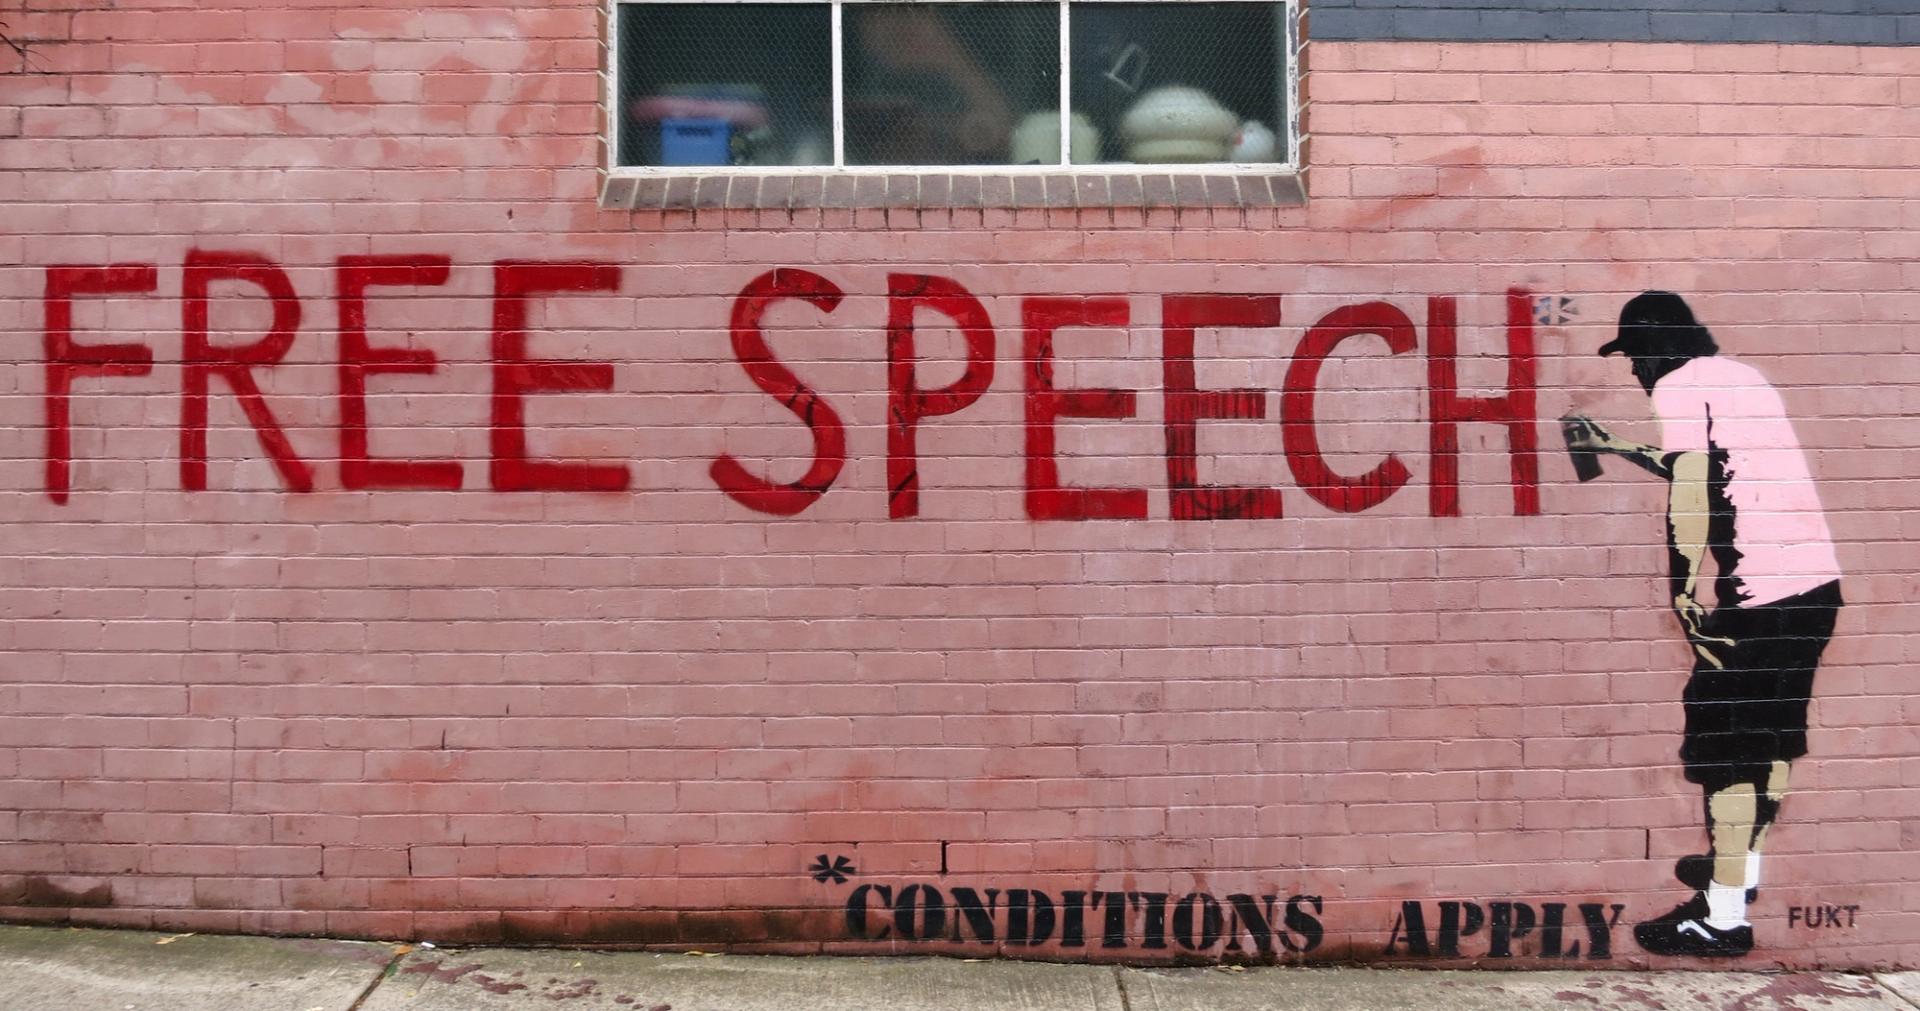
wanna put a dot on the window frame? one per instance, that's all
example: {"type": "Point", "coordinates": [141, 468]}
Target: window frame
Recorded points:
{"type": "Point", "coordinates": [633, 186]}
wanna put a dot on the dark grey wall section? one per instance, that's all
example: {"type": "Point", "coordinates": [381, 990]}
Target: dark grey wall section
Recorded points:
{"type": "Point", "coordinates": [1832, 22]}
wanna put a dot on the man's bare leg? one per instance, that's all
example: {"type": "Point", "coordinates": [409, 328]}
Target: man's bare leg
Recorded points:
{"type": "Point", "coordinates": [1738, 817]}
{"type": "Point", "coordinates": [1714, 922]}
{"type": "Point", "coordinates": [1731, 817]}
{"type": "Point", "coordinates": [1766, 809]}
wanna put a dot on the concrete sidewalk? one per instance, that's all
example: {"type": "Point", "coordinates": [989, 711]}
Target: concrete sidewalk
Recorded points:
{"type": "Point", "coordinates": [58, 969]}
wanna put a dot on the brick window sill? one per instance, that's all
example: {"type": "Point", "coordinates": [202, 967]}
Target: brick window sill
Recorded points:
{"type": "Point", "coordinates": [629, 191]}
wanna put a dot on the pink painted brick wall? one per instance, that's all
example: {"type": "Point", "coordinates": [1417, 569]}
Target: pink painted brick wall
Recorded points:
{"type": "Point", "coordinates": [639, 716]}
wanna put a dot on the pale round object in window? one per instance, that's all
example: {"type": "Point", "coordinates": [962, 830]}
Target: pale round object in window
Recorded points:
{"type": "Point", "coordinates": [1178, 113]}
{"type": "Point", "coordinates": [1254, 142]}
{"type": "Point", "coordinates": [1036, 141]}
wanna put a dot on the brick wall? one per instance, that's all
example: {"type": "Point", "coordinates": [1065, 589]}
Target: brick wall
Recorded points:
{"type": "Point", "coordinates": [642, 714]}
{"type": "Point", "coordinates": [1833, 22]}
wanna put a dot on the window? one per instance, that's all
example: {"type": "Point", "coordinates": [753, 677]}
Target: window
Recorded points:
{"type": "Point", "coordinates": [976, 87]}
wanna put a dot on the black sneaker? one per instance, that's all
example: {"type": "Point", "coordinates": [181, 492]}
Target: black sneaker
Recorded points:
{"type": "Point", "coordinates": [1696, 872]}
{"type": "Point", "coordinates": [1685, 931]}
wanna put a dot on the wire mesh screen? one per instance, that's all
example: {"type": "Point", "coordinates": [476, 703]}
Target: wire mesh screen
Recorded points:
{"type": "Point", "coordinates": [1173, 83]}
{"type": "Point", "coordinates": [952, 84]}
{"type": "Point", "coordinates": [726, 84]}
{"type": "Point", "coordinates": [705, 83]}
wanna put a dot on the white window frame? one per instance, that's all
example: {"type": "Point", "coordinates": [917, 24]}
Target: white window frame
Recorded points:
{"type": "Point", "coordinates": [1290, 40]}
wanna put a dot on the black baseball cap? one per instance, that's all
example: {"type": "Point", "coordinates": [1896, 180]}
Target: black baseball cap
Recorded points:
{"type": "Point", "coordinates": [1648, 320]}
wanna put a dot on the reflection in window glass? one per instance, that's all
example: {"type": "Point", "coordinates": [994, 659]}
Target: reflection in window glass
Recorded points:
{"type": "Point", "coordinates": [1180, 83]}
{"type": "Point", "coordinates": [952, 83]}
{"type": "Point", "coordinates": [726, 84]}
{"type": "Point", "coordinates": [957, 83]}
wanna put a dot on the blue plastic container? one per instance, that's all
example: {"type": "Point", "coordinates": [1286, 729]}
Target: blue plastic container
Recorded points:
{"type": "Point", "coordinates": [685, 141]}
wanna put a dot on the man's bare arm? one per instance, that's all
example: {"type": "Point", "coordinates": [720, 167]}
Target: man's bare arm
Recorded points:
{"type": "Point", "coordinates": [1687, 519]}
{"type": "Point", "coordinates": [1648, 458]}
{"type": "Point", "coordinates": [1644, 456]}
{"type": "Point", "coordinates": [1688, 522]}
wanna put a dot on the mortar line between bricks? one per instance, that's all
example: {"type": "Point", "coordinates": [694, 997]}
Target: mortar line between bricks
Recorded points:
{"type": "Point", "coordinates": [1897, 995]}
{"type": "Point", "coordinates": [379, 978]}
{"type": "Point", "coordinates": [1119, 985]}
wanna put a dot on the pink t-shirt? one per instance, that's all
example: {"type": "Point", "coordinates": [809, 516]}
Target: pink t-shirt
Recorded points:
{"type": "Point", "coordinates": [1769, 535]}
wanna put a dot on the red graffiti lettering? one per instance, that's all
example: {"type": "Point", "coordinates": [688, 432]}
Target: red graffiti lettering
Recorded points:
{"type": "Point", "coordinates": [202, 360]}
{"type": "Point", "coordinates": [359, 359]}
{"type": "Point", "coordinates": [1047, 499]}
{"type": "Point", "coordinates": [1180, 316]}
{"type": "Point", "coordinates": [906, 402]}
{"type": "Point", "coordinates": [1047, 496]}
{"type": "Point", "coordinates": [67, 361]}
{"type": "Point", "coordinates": [1515, 409]}
{"type": "Point", "coordinates": [515, 375]}
{"type": "Point", "coordinates": [1302, 439]}
{"type": "Point", "coordinates": [750, 347]}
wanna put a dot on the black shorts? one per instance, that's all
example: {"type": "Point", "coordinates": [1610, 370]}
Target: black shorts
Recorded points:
{"type": "Point", "coordinates": [1742, 719]}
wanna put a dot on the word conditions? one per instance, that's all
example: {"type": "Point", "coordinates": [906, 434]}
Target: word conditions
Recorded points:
{"type": "Point", "coordinates": [516, 376]}
{"type": "Point", "coordinates": [1195, 922]}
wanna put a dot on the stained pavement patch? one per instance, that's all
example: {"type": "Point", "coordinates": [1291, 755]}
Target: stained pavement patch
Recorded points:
{"type": "Point", "coordinates": [59, 969]}
{"type": "Point", "coordinates": [480, 979]}
{"type": "Point", "coordinates": [123, 970]}
{"type": "Point", "coordinates": [1426, 990]}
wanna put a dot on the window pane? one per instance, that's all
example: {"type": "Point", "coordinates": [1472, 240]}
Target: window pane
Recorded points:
{"type": "Point", "coordinates": [1181, 83]}
{"type": "Point", "coordinates": [952, 83]}
{"type": "Point", "coordinates": [726, 84]}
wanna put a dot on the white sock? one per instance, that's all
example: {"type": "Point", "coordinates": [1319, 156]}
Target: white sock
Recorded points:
{"type": "Point", "coordinates": [1726, 906]}
{"type": "Point", "coordinates": [1753, 868]}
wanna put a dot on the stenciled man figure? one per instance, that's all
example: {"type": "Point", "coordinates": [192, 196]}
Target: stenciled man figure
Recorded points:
{"type": "Point", "coordinates": [1741, 492]}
